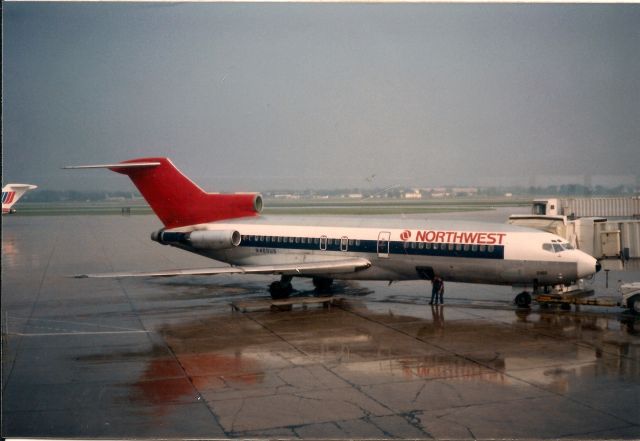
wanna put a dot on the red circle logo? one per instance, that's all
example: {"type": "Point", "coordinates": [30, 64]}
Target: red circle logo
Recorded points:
{"type": "Point", "coordinates": [406, 234]}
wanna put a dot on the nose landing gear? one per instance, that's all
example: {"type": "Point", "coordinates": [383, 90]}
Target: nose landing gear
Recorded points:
{"type": "Point", "coordinates": [523, 300]}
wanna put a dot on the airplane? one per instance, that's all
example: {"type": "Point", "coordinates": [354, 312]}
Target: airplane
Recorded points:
{"type": "Point", "coordinates": [11, 193]}
{"type": "Point", "coordinates": [229, 228]}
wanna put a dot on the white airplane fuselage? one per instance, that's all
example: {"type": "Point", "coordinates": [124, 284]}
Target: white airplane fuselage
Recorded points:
{"type": "Point", "coordinates": [229, 228]}
{"type": "Point", "coordinates": [412, 249]}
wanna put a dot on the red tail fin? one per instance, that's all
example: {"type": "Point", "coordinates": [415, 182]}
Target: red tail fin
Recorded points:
{"type": "Point", "coordinates": [178, 202]}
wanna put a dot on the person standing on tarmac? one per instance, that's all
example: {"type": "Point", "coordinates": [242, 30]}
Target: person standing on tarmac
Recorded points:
{"type": "Point", "coordinates": [437, 290]}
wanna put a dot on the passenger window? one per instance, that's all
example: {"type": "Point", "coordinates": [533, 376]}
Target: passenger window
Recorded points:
{"type": "Point", "coordinates": [450, 247]}
{"type": "Point", "coordinates": [466, 247]}
{"type": "Point", "coordinates": [483, 248]}
{"type": "Point", "coordinates": [357, 243]}
{"type": "Point", "coordinates": [421, 245]}
{"type": "Point", "coordinates": [406, 245]}
{"type": "Point", "coordinates": [474, 248]}
{"type": "Point", "coordinates": [428, 246]}
{"type": "Point", "coordinates": [547, 247]}
{"type": "Point", "coordinates": [490, 248]}
{"type": "Point", "coordinates": [435, 246]}
{"type": "Point", "coordinates": [458, 247]}
{"type": "Point", "coordinates": [316, 241]}
{"type": "Point", "coordinates": [350, 242]}
{"type": "Point", "coordinates": [413, 245]}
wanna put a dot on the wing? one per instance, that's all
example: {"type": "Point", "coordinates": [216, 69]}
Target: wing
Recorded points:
{"type": "Point", "coordinates": [341, 266]}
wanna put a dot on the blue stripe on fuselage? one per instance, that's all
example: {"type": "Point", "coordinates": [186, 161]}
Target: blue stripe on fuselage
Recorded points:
{"type": "Point", "coordinates": [371, 246]}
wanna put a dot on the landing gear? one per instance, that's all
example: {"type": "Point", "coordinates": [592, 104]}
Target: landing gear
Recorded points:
{"type": "Point", "coordinates": [634, 304]}
{"type": "Point", "coordinates": [281, 289]}
{"type": "Point", "coordinates": [523, 300]}
{"type": "Point", "coordinates": [322, 283]}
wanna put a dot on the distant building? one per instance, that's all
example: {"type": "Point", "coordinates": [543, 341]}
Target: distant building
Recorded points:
{"type": "Point", "coordinates": [286, 196]}
{"type": "Point", "coordinates": [355, 196]}
{"type": "Point", "coordinates": [413, 195]}
{"type": "Point", "coordinates": [464, 191]}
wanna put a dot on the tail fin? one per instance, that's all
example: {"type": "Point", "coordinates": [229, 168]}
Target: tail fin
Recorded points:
{"type": "Point", "coordinates": [11, 193]}
{"type": "Point", "coordinates": [176, 200]}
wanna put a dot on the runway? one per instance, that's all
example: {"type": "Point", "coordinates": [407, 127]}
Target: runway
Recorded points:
{"type": "Point", "coordinates": [164, 358]}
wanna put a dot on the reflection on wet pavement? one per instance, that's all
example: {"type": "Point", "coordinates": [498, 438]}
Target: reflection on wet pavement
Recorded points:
{"type": "Point", "coordinates": [169, 358]}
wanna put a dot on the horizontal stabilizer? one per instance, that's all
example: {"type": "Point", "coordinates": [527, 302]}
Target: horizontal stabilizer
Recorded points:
{"type": "Point", "coordinates": [114, 166]}
{"type": "Point", "coordinates": [341, 266]}
{"type": "Point", "coordinates": [19, 187]}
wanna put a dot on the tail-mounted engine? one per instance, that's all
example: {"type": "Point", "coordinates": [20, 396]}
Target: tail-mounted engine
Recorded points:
{"type": "Point", "coordinates": [201, 239]}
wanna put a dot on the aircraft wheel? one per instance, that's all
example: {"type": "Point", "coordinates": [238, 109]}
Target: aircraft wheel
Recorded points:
{"type": "Point", "coordinates": [634, 304]}
{"type": "Point", "coordinates": [322, 283]}
{"type": "Point", "coordinates": [565, 306]}
{"type": "Point", "coordinates": [280, 290]}
{"type": "Point", "coordinates": [523, 300]}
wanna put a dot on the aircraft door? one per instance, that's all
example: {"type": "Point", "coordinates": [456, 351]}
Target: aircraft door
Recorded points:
{"type": "Point", "coordinates": [383, 243]}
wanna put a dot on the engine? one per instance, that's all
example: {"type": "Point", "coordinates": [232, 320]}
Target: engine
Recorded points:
{"type": "Point", "coordinates": [214, 240]}
{"type": "Point", "coordinates": [203, 239]}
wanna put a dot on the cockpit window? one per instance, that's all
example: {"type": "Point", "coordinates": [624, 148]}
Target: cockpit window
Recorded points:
{"type": "Point", "coordinates": [556, 247]}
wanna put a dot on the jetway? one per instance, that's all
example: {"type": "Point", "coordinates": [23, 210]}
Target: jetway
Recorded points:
{"type": "Point", "coordinates": [602, 227]}
{"type": "Point", "coordinates": [597, 236]}
{"type": "Point", "coordinates": [618, 207]}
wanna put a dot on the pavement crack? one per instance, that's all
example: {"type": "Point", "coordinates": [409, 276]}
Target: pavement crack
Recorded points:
{"type": "Point", "coordinates": [415, 397]}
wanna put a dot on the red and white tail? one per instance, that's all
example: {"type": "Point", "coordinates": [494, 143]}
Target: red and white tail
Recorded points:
{"type": "Point", "coordinates": [11, 193]}
{"type": "Point", "coordinates": [175, 199]}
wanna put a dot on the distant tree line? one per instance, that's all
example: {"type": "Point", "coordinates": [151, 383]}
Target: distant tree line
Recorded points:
{"type": "Point", "coordinates": [570, 190]}
{"type": "Point", "coordinates": [41, 195]}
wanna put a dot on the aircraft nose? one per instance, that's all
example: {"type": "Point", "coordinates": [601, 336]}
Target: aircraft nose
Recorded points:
{"type": "Point", "coordinates": [587, 265]}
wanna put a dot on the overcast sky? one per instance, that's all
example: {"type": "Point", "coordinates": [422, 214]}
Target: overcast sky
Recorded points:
{"type": "Point", "coordinates": [263, 96]}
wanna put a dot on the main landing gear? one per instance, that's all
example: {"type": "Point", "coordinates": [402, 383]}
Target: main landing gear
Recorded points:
{"type": "Point", "coordinates": [282, 289]}
{"type": "Point", "coordinates": [322, 284]}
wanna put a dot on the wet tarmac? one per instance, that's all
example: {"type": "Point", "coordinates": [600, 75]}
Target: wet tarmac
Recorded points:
{"type": "Point", "coordinates": [168, 357]}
